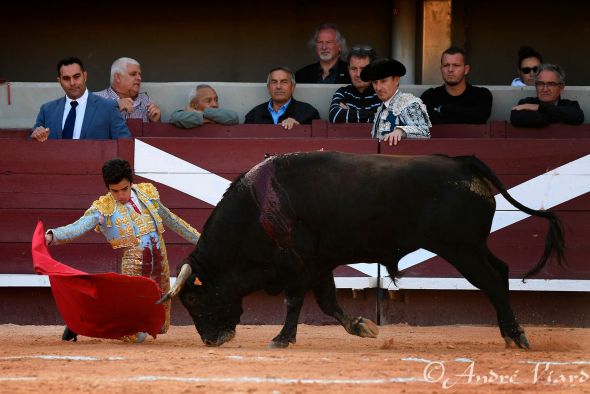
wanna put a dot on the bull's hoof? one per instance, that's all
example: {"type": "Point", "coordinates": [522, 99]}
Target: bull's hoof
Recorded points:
{"type": "Point", "coordinates": [521, 341]}
{"type": "Point", "coordinates": [278, 344]}
{"type": "Point", "coordinates": [221, 339]}
{"type": "Point", "coordinates": [281, 342]}
{"type": "Point", "coordinates": [508, 342]}
{"type": "Point", "coordinates": [365, 328]}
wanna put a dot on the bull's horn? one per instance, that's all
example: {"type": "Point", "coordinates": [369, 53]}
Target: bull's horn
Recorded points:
{"type": "Point", "coordinates": [185, 272]}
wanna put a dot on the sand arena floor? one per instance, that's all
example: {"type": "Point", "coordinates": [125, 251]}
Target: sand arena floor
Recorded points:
{"type": "Point", "coordinates": [458, 359]}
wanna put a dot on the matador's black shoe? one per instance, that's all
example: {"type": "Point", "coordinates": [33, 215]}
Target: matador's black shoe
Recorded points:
{"type": "Point", "coordinates": [69, 335]}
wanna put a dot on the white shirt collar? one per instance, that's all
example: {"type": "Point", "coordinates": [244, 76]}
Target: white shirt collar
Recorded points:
{"type": "Point", "coordinates": [81, 100]}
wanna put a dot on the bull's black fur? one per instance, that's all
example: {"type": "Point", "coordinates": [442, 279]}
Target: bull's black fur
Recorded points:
{"type": "Point", "coordinates": [287, 223]}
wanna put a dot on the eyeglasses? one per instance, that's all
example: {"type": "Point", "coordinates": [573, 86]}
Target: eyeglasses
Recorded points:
{"type": "Point", "coordinates": [527, 70]}
{"type": "Point", "coordinates": [548, 85]}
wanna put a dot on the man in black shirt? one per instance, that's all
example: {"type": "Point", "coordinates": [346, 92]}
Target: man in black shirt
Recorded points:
{"type": "Point", "coordinates": [548, 107]}
{"type": "Point", "coordinates": [457, 101]}
{"type": "Point", "coordinates": [330, 48]}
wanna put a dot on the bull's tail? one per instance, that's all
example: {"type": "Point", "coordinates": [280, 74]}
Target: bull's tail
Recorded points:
{"type": "Point", "coordinates": [554, 241]}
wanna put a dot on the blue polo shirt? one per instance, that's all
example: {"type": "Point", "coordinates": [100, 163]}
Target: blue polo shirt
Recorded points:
{"type": "Point", "coordinates": [277, 114]}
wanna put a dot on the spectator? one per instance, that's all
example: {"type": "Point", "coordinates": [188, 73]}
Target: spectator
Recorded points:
{"type": "Point", "coordinates": [548, 107]}
{"type": "Point", "coordinates": [330, 48]}
{"type": "Point", "coordinates": [527, 68]}
{"type": "Point", "coordinates": [358, 102]}
{"type": "Point", "coordinates": [402, 115]}
{"type": "Point", "coordinates": [457, 101]}
{"type": "Point", "coordinates": [64, 117]}
{"type": "Point", "coordinates": [131, 217]}
{"type": "Point", "coordinates": [124, 89]}
{"type": "Point", "coordinates": [282, 108]}
{"type": "Point", "coordinates": [203, 107]}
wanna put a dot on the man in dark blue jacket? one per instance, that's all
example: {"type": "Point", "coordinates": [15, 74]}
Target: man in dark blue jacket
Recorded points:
{"type": "Point", "coordinates": [282, 108]}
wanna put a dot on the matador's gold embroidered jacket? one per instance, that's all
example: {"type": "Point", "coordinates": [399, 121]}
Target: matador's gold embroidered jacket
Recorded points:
{"type": "Point", "coordinates": [123, 227]}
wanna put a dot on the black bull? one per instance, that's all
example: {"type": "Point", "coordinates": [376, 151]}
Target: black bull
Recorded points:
{"type": "Point", "coordinates": [289, 221]}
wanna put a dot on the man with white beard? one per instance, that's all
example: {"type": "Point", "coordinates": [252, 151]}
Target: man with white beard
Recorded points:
{"type": "Point", "coordinates": [330, 48]}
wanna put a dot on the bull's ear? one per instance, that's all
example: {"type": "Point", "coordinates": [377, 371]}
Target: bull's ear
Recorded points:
{"type": "Point", "coordinates": [197, 281]}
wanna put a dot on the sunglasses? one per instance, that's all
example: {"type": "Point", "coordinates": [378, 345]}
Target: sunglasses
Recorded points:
{"type": "Point", "coordinates": [549, 85]}
{"type": "Point", "coordinates": [362, 49]}
{"type": "Point", "coordinates": [528, 70]}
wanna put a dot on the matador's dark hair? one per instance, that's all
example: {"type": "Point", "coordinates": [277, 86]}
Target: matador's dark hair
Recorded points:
{"type": "Point", "coordinates": [115, 170]}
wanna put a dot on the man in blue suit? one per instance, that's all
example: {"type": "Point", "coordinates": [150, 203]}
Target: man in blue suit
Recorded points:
{"type": "Point", "coordinates": [80, 114]}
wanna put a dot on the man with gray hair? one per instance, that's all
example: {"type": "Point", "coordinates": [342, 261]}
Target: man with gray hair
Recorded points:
{"type": "Point", "coordinates": [124, 89]}
{"type": "Point", "coordinates": [282, 109]}
{"type": "Point", "coordinates": [548, 107]}
{"type": "Point", "coordinates": [203, 107]}
{"type": "Point", "coordinates": [330, 48]}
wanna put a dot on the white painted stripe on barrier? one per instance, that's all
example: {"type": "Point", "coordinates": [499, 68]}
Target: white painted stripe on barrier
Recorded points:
{"type": "Point", "coordinates": [542, 192]}
{"type": "Point", "coordinates": [157, 165]}
{"type": "Point", "coordinates": [28, 280]}
{"type": "Point", "coordinates": [356, 282]}
{"type": "Point", "coordinates": [573, 285]}
{"type": "Point", "coordinates": [551, 188]}
{"type": "Point", "coordinates": [23, 280]}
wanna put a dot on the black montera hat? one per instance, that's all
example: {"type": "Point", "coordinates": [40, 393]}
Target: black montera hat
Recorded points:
{"type": "Point", "coordinates": [383, 68]}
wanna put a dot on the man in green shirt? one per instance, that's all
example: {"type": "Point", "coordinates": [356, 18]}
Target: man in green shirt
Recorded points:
{"type": "Point", "coordinates": [203, 107]}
